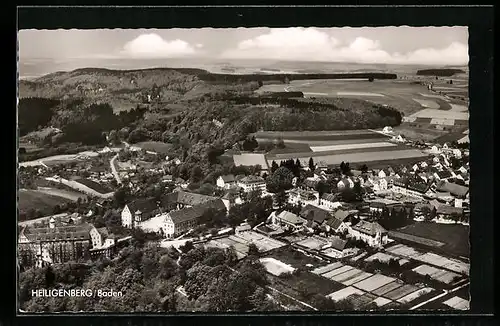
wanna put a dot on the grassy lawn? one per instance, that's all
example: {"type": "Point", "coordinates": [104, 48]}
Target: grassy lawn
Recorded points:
{"type": "Point", "coordinates": [295, 258]}
{"type": "Point", "coordinates": [94, 185]}
{"type": "Point", "coordinates": [155, 146]}
{"type": "Point", "coordinates": [29, 199]}
{"type": "Point", "coordinates": [455, 236]}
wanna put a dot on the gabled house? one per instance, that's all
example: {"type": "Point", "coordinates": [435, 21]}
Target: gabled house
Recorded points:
{"type": "Point", "coordinates": [345, 183]}
{"type": "Point", "coordinates": [335, 225]}
{"type": "Point", "coordinates": [371, 233]}
{"type": "Point", "coordinates": [231, 198]}
{"type": "Point", "coordinates": [179, 221]}
{"type": "Point", "coordinates": [454, 189]}
{"type": "Point", "coordinates": [330, 201]}
{"type": "Point", "coordinates": [378, 184]}
{"type": "Point", "coordinates": [379, 204]}
{"type": "Point", "coordinates": [287, 219]}
{"type": "Point", "coordinates": [315, 215]}
{"type": "Point", "coordinates": [382, 174]}
{"type": "Point", "coordinates": [137, 211]}
{"type": "Point", "coordinates": [226, 181]}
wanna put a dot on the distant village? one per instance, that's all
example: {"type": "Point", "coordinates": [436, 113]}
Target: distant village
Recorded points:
{"type": "Point", "coordinates": [434, 191]}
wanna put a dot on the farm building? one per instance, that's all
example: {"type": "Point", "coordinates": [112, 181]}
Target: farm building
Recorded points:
{"type": "Point", "coordinates": [287, 219]}
{"type": "Point", "coordinates": [138, 211]}
{"type": "Point", "coordinates": [371, 233]}
{"type": "Point", "coordinates": [380, 204]}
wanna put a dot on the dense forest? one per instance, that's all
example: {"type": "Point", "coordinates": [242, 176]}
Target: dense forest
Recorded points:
{"type": "Point", "coordinates": [444, 72]}
{"type": "Point", "coordinates": [175, 106]}
{"type": "Point", "coordinates": [148, 277]}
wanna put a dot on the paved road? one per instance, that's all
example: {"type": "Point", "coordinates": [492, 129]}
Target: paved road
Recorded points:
{"type": "Point", "coordinates": [439, 296]}
{"type": "Point", "coordinates": [113, 169]}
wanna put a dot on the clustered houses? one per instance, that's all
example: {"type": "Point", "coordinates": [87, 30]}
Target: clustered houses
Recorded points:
{"type": "Point", "coordinates": [175, 213]}
{"type": "Point", "coordinates": [306, 197]}
{"type": "Point", "coordinates": [59, 242]}
{"type": "Point", "coordinates": [287, 220]}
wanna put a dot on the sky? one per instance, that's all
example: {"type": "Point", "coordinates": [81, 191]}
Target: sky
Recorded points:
{"type": "Point", "coordinates": [389, 45]}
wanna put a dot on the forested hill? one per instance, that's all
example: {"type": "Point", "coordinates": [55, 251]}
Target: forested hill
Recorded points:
{"type": "Point", "coordinates": [98, 82]}
{"type": "Point", "coordinates": [444, 72]}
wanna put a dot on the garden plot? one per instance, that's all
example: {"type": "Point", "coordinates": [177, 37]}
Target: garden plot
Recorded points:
{"type": "Point", "coordinates": [374, 282]}
{"type": "Point", "coordinates": [344, 293]}
{"type": "Point", "coordinates": [414, 295]}
{"type": "Point", "coordinates": [404, 251]}
{"type": "Point", "coordinates": [427, 270]}
{"type": "Point", "coordinates": [401, 292]}
{"type": "Point", "coordinates": [276, 267]}
{"type": "Point", "coordinates": [447, 277]}
{"type": "Point", "coordinates": [388, 288]}
{"type": "Point", "coordinates": [427, 103]}
{"type": "Point", "coordinates": [347, 275]}
{"type": "Point", "coordinates": [327, 268]}
{"type": "Point", "coordinates": [380, 302]}
{"type": "Point", "coordinates": [312, 243]}
{"type": "Point", "coordinates": [359, 301]}
{"type": "Point", "coordinates": [457, 303]}
{"type": "Point", "coordinates": [350, 146]}
{"type": "Point", "coordinates": [358, 278]}
{"type": "Point", "coordinates": [383, 257]}
{"type": "Point", "coordinates": [458, 266]}
{"type": "Point", "coordinates": [433, 259]}
{"type": "Point", "coordinates": [337, 271]}
{"type": "Point", "coordinates": [358, 257]}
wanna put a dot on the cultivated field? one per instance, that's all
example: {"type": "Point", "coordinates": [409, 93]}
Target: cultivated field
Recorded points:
{"type": "Point", "coordinates": [32, 199]}
{"type": "Point", "coordinates": [363, 157]}
{"type": "Point", "coordinates": [374, 282]}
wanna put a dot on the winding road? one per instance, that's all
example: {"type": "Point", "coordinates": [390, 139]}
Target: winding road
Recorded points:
{"type": "Point", "coordinates": [113, 169]}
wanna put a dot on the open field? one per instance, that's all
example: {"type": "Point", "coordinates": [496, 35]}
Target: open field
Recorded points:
{"type": "Point", "coordinates": [94, 186]}
{"type": "Point", "coordinates": [440, 114]}
{"type": "Point", "coordinates": [337, 271]}
{"type": "Point", "coordinates": [454, 236]}
{"type": "Point", "coordinates": [357, 278]}
{"type": "Point", "coordinates": [60, 159]}
{"type": "Point", "coordinates": [68, 194]}
{"type": "Point", "coordinates": [374, 149]}
{"type": "Point", "coordinates": [350, 146]}
{"type": "Point", "coordinates": [32, 199]}
{"type": "Point", "coordinates": [427, 133]}
{"type": "Point", "coordinates": [319, 135]}
{"type": "Point", "coordinates": [400, 94]}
